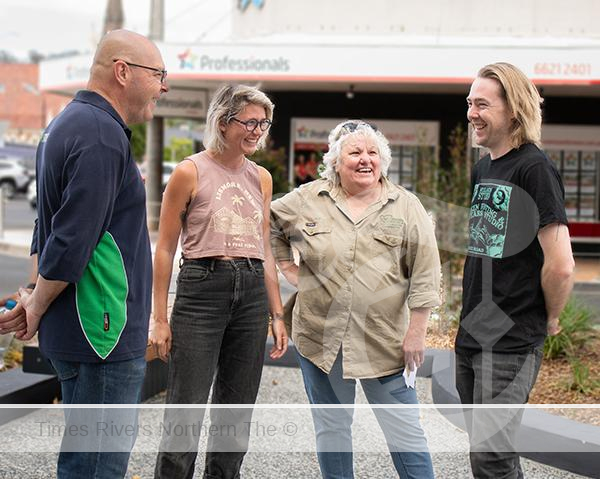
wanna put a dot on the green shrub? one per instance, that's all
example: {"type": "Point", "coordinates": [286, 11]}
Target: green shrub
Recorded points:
{"type": "Point", "coordinates": [576, 327]}
{"type": "Point", "coordinates": [275, 161]}
{"type": "Point", "coordinates": [581, 381]}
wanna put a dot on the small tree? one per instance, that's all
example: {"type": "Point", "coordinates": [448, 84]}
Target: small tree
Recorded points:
{"type": "Point", "coordinates": [445, 192]}
{"type": "Point", "coordinates": [455, 190]}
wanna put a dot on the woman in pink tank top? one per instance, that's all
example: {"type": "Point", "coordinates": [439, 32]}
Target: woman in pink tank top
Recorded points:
{"type": "Point", "coordinates": [218, 201]}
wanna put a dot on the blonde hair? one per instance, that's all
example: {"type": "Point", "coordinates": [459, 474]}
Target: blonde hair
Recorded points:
{"type": "Point", "coordinates": [227, 102]}
{"type": "Point", "coordinates": [523, 100]}
{"type": "Point", "coordinates": [349, 129]}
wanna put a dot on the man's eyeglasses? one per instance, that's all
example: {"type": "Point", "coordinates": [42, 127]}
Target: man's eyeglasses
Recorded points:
{"type": "Point", "coordinates": [252, 123]}
{"type": "Point", "coordinates": [352, 125]}
{"type": "Point", "coordinates": [163, 73]}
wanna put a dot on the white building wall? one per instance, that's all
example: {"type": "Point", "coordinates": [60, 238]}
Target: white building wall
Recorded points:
{"type": "Point", "coordinates": [529, 18]}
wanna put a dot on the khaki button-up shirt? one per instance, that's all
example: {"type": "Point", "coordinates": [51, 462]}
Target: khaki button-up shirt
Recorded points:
{"type": "Point", "coordinates": [356, 279]}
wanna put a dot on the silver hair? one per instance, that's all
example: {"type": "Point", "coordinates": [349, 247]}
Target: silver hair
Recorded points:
{"type": "Point", "coordinates": [227, 102]}
{"type": "Point", "coordinates": [350, 129]}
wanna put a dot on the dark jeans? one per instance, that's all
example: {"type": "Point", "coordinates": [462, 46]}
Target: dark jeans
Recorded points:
{"type": "Point", "coordinates": [333, 426]}
{"type": "Point", "coordinates": [495, 378]}
{"type": "Point", "coordinates": [219, 325]}
{"type": "Point", "coordinates": [89, 448]}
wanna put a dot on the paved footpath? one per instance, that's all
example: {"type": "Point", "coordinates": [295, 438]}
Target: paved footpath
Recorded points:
{"type": "Point", "coordinates": [289, 456]}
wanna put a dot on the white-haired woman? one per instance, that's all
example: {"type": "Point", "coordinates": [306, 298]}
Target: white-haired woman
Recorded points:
{"type": "Point", "coordinates": [367, 277]}
{"type": "Point", "coordinates": [218, 201]}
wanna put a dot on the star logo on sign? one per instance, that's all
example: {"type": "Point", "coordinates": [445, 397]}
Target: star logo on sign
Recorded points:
{"type": "Point", "coordinates": [186, 60]}
{"type": "Point", "coordinates": [244, 4]}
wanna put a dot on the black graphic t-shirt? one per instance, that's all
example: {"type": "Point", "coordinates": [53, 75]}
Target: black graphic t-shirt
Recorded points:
{"type": "Point", "coordinates": [503, 303]}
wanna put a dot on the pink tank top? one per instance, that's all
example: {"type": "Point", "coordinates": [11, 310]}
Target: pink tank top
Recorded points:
{"type": "Point", "coordinates": [225, 218]}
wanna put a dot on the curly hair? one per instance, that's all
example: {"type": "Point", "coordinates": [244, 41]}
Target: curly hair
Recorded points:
{"type": "Point", "coordinates": [338, 137]}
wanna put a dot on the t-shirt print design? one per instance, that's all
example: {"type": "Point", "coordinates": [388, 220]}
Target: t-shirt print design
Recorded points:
{"type": "Point", "coordinates": [239, 217]}
{"type": "Point", "coordinates": [488, 219]}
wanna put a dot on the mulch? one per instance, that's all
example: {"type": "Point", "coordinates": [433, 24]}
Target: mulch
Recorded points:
{"type": "Point", "coordinates": [554, 379]}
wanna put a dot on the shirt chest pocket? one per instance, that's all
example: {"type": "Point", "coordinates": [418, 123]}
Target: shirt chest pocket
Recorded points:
{"type": "Point", "coordinates": [316, 232]}
{"type": "Point", "coordinates": [316, 243]}
{"type": "Point", "coordinates": [386, 251]}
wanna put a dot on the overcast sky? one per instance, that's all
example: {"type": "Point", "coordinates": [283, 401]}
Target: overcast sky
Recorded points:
{"type": "Point", "coordinates": [53, 26]}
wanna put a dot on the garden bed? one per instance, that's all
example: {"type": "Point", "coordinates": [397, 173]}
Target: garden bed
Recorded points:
{"type": "Point", "coordinates": [554, 380]}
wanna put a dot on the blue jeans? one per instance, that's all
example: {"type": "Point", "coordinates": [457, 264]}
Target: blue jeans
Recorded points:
{"type": "Point", "coordinates": [404, 436]}
{"type": "Point", "coordinates": [89, 449]}
{"type": "Point", "coordinates": [219, 325]}
{"type": "Point", "coordinates": [495, 378]}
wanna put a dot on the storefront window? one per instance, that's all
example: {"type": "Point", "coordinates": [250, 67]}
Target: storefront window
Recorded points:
{"type": "Point", "coordinates": [579, 170]}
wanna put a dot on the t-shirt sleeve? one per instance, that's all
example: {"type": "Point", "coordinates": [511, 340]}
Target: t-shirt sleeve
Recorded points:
{"type": "Point", "coordinates": [91, 180]}
{"type": "Point", "coordinates": [544, 185]}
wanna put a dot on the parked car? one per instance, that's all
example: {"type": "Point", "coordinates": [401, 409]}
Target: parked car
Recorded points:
{"type": "Point", "coordinates": [32, 194]}
{"type": "Point", "coordinates": [13, 176]}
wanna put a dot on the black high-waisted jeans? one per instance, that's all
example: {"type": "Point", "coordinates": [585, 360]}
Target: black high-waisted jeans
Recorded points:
{"type": "Point", "coordinates": [219, 327]}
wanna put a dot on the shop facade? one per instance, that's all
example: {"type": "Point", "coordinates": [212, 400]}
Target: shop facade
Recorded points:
{"type": "Point", "coordinates": [407, 72]}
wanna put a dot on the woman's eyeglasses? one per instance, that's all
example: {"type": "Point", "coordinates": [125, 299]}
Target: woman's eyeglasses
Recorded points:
{"type": "Point", "coordinates": [252, 123]}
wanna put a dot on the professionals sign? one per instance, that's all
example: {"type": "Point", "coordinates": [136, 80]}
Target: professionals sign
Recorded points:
{"type": "Point", "coordinates": [202, 61]}
{"type": "Point", "coordinates": [388, 63]}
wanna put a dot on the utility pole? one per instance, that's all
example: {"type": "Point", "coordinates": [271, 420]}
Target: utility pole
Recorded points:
{"type": "Point", "coordinates": [157, 20]}
{"type": "Point", "coordinates": [114, 17]}
{"type": "Point", "coordinates": [154, 131]}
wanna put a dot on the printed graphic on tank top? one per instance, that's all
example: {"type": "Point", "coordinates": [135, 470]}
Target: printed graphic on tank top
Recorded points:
{"type": "Point", "coordinates": [238, 218]}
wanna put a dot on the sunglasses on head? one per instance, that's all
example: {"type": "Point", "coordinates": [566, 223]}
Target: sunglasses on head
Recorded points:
{"type": "Point", "coordinates": [352, 125]}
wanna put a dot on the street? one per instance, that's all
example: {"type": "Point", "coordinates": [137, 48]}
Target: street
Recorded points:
{"type": "Point", "coordinates": [18, 214]}
{"type": "Point", "coordinates": [15, 271]}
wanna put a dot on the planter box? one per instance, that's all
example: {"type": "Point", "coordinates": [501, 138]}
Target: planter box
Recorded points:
{"type": "Point", "coordinates": [33, 362]}
{"type": "Point", "coordinates": [17, 387]}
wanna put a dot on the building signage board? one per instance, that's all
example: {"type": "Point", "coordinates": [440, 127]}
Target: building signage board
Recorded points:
{"type": "Point", "coordinates": [314, 131]}
{"type": "Point", "coordinates": [309, 140]}
{"type": "Point", "coordinates": [337, 63]}
{"type": "Point", "coordinates": [574, 137]}
{"type": "Point", "coordinates": [434, 64]}
{"type": "Point", "coordinates": [178, 103]}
